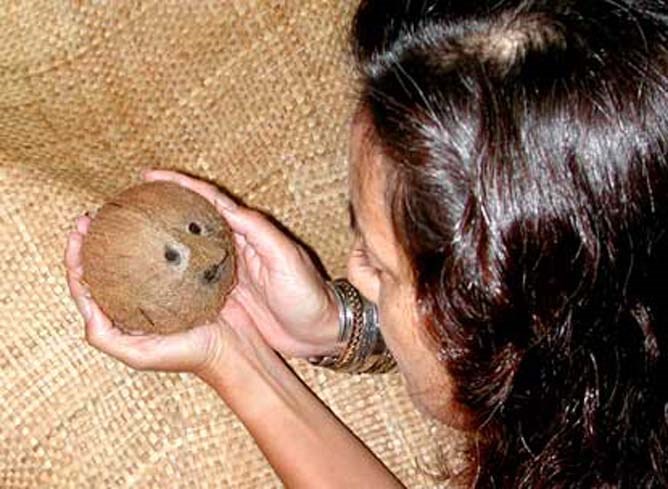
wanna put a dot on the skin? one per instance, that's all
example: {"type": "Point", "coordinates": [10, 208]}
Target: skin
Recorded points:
{"type": "Point", "coordinates": [282, 304]}
{"type": "Point", "coordinates": [300, 437]}
{"type": "Point", "coordinates": [380, 270]}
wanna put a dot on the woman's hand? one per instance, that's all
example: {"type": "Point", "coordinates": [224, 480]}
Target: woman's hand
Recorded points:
{"type": "Point", "coordinates": [278, 287]}
{"type": "Point", "coordinates": [232, 357]}
{"type": "Point", "coordinates": [195, 350]}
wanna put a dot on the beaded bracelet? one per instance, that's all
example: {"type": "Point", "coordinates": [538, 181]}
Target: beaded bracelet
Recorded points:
{"type": "Point", "coordinates": [365, 350]}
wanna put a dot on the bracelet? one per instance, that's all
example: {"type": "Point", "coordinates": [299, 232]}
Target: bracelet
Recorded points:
{"type": "Point", "coordinates": [345, 313]}
{"type": "Point", "coordinates": [365, 350]}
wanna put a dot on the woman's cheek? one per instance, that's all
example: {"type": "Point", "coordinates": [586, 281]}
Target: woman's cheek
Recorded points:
{"type": "Point", "coordinates": [390, 318]}
{"type": "Point", "coordinates": [399, 315]}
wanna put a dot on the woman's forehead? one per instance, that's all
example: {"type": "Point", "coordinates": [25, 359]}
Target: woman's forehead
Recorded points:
{"type": "Point", "coordinates": [365, 157]}
{"type": "Point", "coordinates": [367, 181]}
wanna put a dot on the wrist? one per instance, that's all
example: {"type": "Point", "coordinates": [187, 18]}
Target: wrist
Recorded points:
{"type": "Point", "coordinates": [326, 340]}
{"type": "Point", "coordinates": [243, 367]}
{"type": "Point", "coordinates": [288, 422]}
{"type": "Point", "coordinates": [363, 349]}
{"type": "Point", "coordinates": [332, 323]}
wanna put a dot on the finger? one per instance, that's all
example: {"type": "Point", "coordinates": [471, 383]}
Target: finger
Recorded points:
{"type": "Point", "coordinates": [72, 257]}
{"type": "Point", "coordinates": [258, 232]}
{"type": "Point", "coordinates": [207, 190]}
{"type": "Point", "coordinates": [81, 296]}
{"type": "Point", "coordinates": [242, 262]}
{"type": "Point", "coordinates": [101, 333]}
{"type": "Point", "coordinates": [83, 224]}
{"type": "Point", "coordinates": [74, 267]}
{"type": "Point", "coordinates": [77, 289]}
{"type": "Point", "coordinates": [174, 352]}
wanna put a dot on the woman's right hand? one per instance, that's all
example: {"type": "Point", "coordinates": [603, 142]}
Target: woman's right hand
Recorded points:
{"type": "Point", "coordinates": [278, 285]}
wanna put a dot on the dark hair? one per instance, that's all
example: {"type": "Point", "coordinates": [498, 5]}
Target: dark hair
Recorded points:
{"type": "Point", "coordinates": [527, 145]}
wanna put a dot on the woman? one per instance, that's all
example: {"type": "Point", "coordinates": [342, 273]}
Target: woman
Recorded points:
{"type": "Point", "coordinates": [509, 193]}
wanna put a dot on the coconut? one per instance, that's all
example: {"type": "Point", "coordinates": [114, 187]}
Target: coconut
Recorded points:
{"type": "Point", "coordinates": [159, 258]}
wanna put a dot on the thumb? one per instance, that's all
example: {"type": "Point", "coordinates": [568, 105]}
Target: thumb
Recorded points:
{"type": "Point", "coordinates": [209, 191]}
{"type": "Point", "coordinates": [266, 239]}
{"type": "Point", "coordinates": [258, 231]}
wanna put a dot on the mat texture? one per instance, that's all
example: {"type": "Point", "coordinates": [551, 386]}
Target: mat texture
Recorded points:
{"type": "Point", "coordinates": [253, 94]}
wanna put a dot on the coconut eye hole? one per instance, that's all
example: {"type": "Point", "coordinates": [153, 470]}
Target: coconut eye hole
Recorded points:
{"type": "Point", "coordinates": [195, 228]}
{"type": "Point", "coordinates": [172, 255]}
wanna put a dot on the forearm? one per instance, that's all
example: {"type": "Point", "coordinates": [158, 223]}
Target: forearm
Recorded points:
{"type": "Point", "coordinates": [301, 438]}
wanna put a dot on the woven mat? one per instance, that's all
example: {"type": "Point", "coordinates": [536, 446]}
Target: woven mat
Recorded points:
{"type": "Point", "coordinates": [255, 95]}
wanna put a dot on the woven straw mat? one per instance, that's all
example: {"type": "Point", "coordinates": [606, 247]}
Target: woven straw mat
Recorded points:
{"type": "Point", "coordinates": [255, 95]}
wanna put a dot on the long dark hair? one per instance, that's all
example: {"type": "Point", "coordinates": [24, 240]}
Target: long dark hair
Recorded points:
{"type": "Point", "coordinates": [526, 142]}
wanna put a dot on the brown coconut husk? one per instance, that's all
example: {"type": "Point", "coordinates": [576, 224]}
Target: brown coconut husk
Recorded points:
{"type": "Point", "coordinates": [159, 258]}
